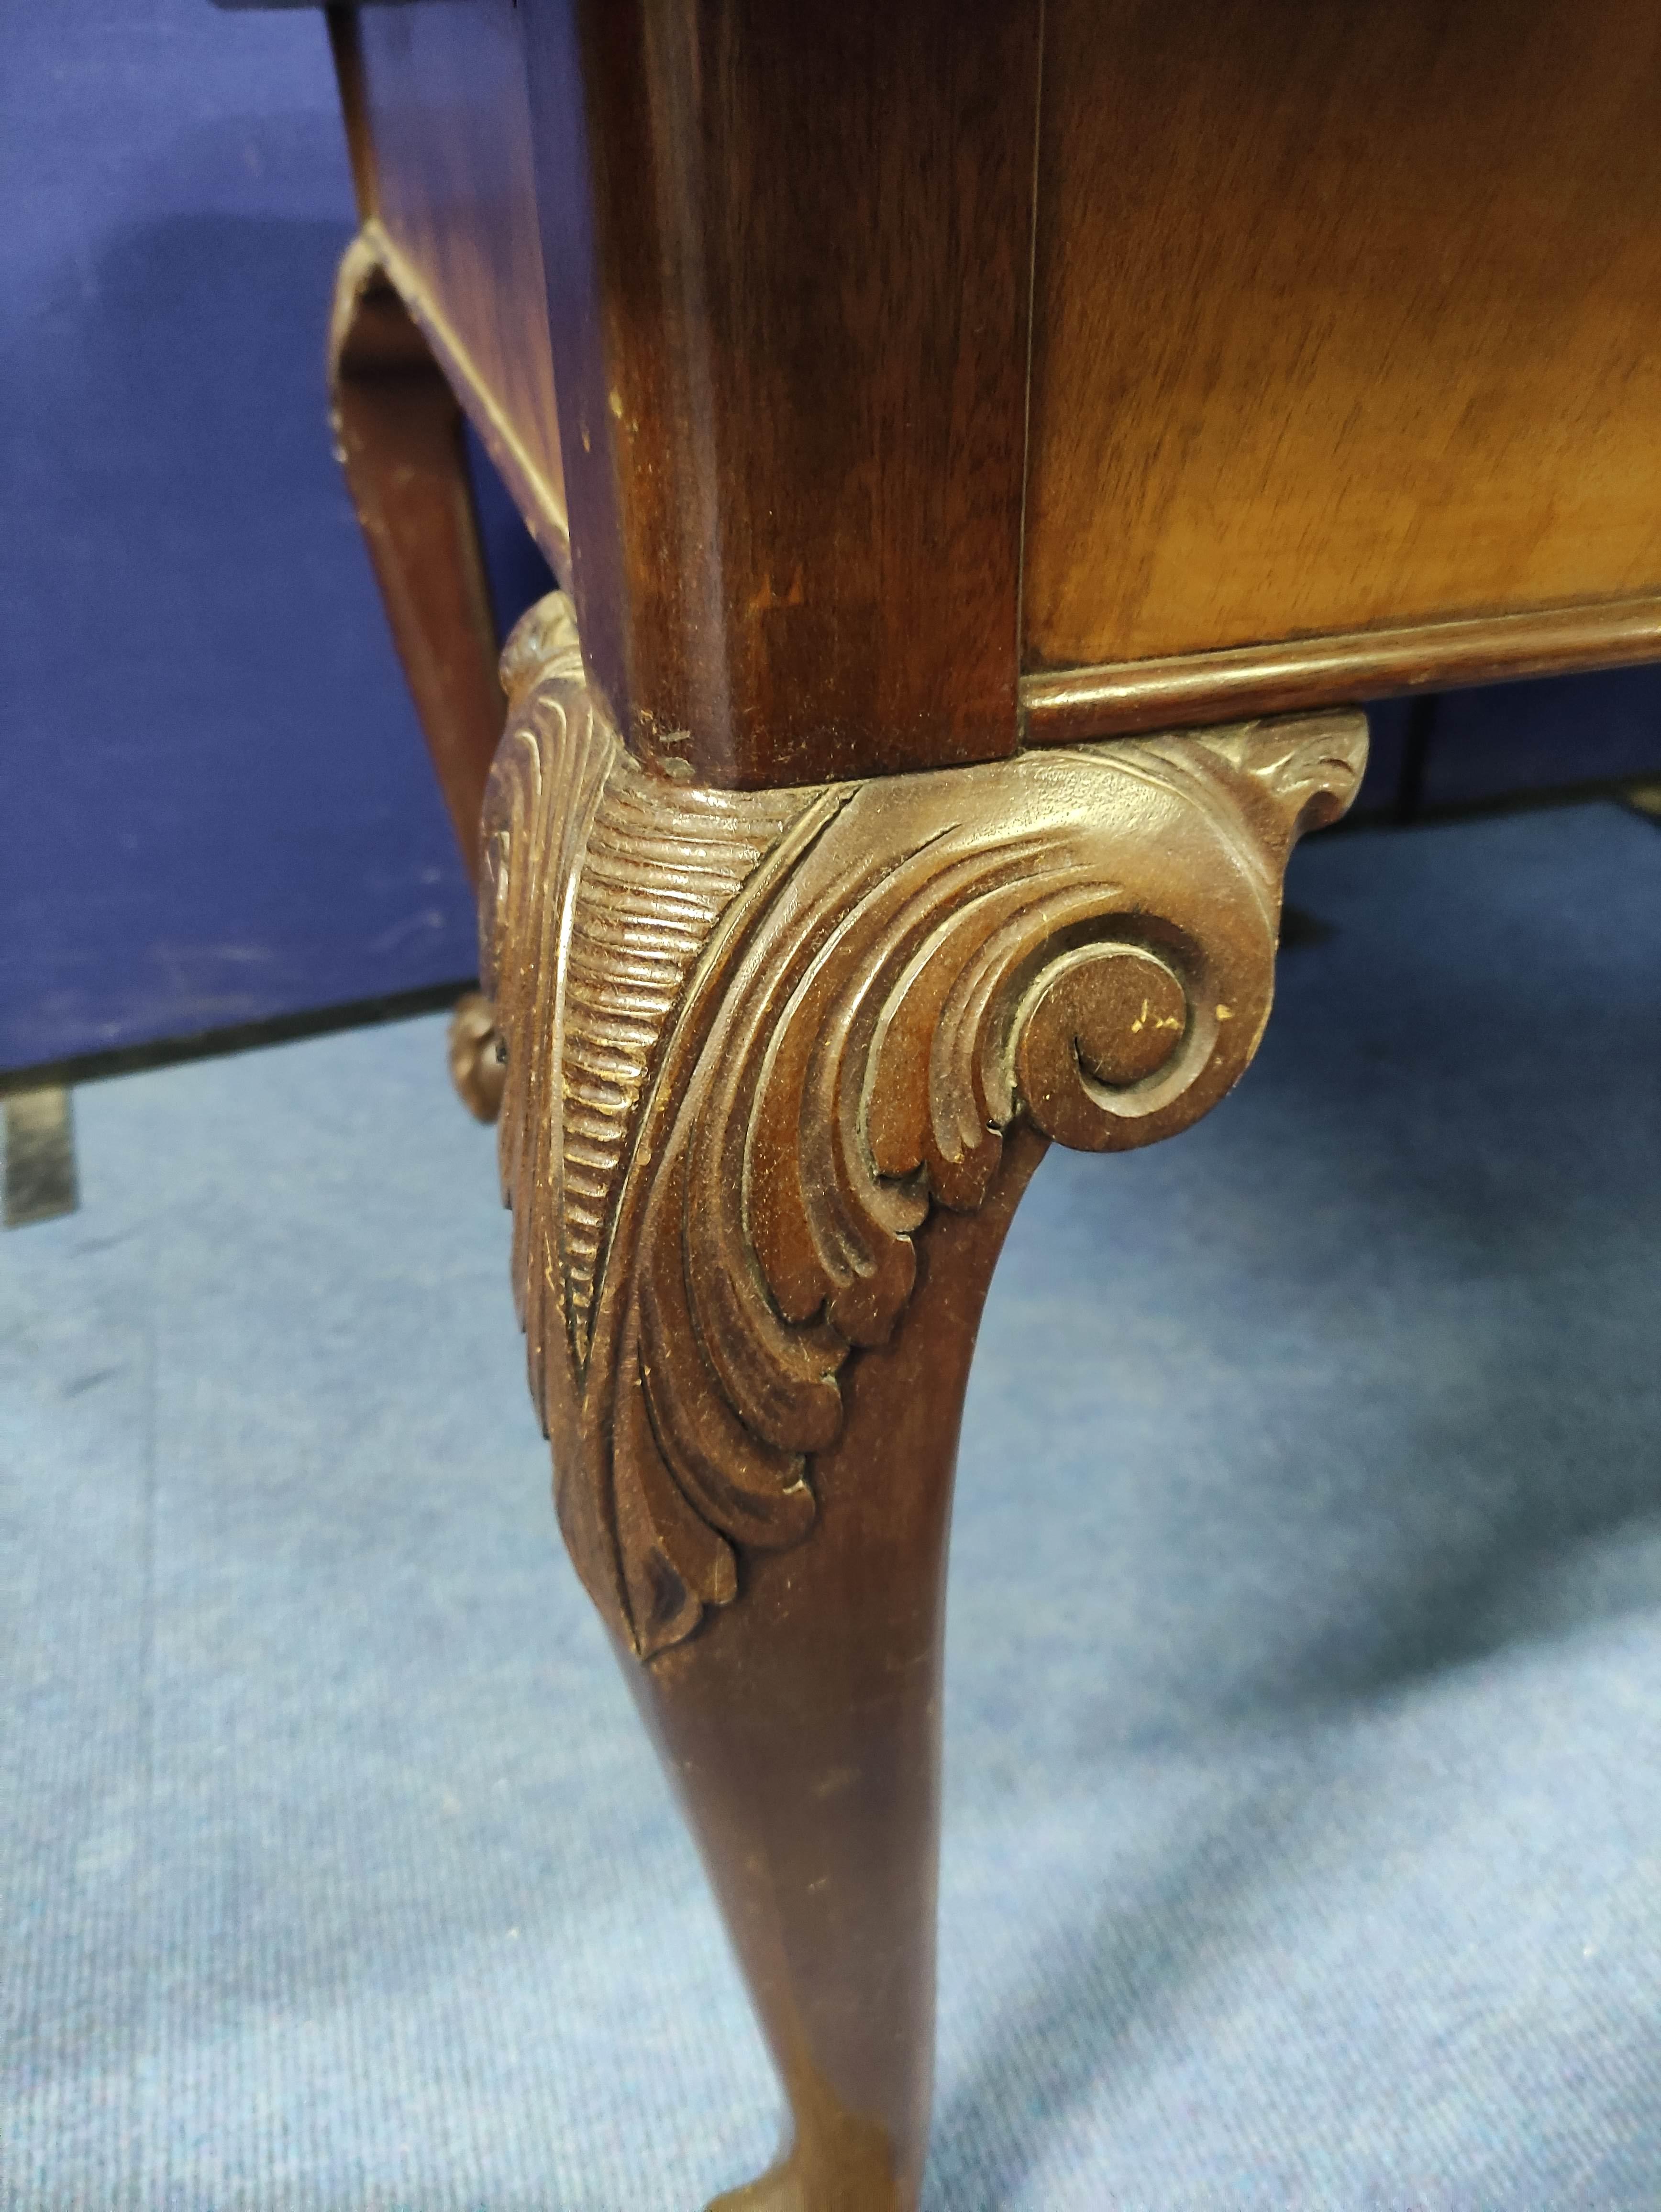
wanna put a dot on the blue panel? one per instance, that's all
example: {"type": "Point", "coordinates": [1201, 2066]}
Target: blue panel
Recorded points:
{"type": "Point", "coordinates": [1505, 741]}
{"type": "Point", "coordinates": [214, 800]}
{"type": "Point", "coordinates": [1533, 737]}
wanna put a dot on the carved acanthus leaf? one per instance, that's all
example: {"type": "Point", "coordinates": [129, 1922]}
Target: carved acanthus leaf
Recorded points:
{"type": "Point", "coordinates": [754, 1037]}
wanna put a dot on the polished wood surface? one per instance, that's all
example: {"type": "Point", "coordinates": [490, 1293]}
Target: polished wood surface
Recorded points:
{"type": "Point", "coordinates": [1340, 383]}
{"type": "Point", "coordinates": [399, 434]}
{"type": "Point", "coordinates": [1346, 317]}
{"type": "Point", "coordinates": [777, 1067]}
{"type": "Point", "coordinates": [437, 113]}
{"type": "Point", "coordinates": [1058, 706]}
{"type": "Point", "coordinates": [789, 256]}
{"type": "Point", "coordinates": [803, 1736]}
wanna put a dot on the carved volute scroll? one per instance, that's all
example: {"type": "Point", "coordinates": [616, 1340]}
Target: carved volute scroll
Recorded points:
{"type": "Point", "coordinates": [752, 1037]}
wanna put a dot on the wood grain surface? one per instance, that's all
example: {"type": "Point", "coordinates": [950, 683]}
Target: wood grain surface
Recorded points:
{"type": "Point", "coordinates": [442, 88]}
{"type": "Point", "coordinates": [1346, 317]}
{"type": "Point", "coordinates": [398, 435]}
{"type": "Point", "coordinates": [775, 1068]}
{"type": "Point", "coordinates": [789, 258]}
{"type": "Point", "coordinates": [1059, 705]}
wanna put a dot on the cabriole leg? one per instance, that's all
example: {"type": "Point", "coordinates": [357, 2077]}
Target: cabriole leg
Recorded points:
{"type": "Point", "coordinates": [778, 1066]}
{"type": "Point", "coordinates": [802, 1727]}
{"type": "Point", "coordinates": [399, 434]}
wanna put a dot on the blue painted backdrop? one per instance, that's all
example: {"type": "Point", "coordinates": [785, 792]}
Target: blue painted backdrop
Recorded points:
{"type": "Point", "coordinates": [213, 802]}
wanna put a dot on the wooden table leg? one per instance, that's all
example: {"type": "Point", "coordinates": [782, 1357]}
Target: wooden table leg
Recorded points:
{"type": "Point", "coordinates": [802, 1726]}
{"type": "Point", "coordinates": [779, 1065]}
{"type": "Point", "coordinates": [400, 436]}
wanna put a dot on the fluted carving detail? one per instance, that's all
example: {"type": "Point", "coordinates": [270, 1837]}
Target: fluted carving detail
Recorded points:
{"type": "Point", "coordinates": [752, 1038]}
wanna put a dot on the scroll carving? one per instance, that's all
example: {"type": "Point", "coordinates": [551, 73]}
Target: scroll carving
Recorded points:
{"type": "Point", "coordinates": [751, 1038]}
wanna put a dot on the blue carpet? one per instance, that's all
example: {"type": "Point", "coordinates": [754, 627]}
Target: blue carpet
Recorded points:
{"type": "Point", "coordinates": [1304, 1821]}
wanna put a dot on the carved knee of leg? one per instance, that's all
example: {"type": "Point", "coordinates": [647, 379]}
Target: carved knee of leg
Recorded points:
{"type": "Point", "coordinates": [752, 1037]}
{"type": "Point", "coordinates": [778, 1065]}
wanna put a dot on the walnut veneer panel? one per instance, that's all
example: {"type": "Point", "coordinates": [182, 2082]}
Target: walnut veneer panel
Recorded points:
{"type": "Point", "coordinates": [1345, 316]}
{"type": "Point", "coordinates": [445, 96]}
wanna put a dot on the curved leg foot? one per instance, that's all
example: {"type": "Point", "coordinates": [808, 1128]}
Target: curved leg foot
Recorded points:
{"type": "Point", "coordinates": [810, 2179]}
{"type": "Point", "coordinates": [778, 1067]}
{"type": "Point", "coordinates": [802, 1727]}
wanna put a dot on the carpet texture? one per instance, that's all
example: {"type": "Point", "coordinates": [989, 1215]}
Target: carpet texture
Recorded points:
{"type": "Point", "coordinates": [1304, 1728]}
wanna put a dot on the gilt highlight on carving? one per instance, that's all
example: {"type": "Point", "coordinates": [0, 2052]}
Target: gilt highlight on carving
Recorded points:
{"type": "Point", "coordinates": [752, 1037]}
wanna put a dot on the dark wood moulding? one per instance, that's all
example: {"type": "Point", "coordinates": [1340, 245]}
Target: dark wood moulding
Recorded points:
{"type": "Point", "coordinates": [1063, 706]}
